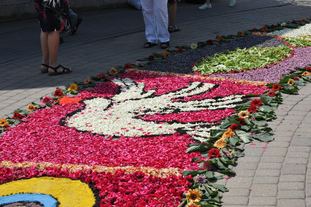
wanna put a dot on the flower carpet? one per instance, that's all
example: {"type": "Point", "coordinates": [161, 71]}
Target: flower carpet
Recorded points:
{"type": "Point", "coordinates": [136, 137]}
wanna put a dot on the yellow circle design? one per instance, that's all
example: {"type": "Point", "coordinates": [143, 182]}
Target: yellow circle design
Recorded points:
{"type": "Point", "coordinates": [69, 193]}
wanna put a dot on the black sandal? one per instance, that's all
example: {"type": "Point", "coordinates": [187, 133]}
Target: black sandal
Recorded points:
{"type": "Point", "coordinates": [59, 70]}
{"type": "Point", "coordinates": [149, 44]}
{"type": "Point", "coordinates": [164, 45]}
{"type": "Point", "coordinates": [44, 68]}
{"type": "Point", "coordinates": [172, 29]}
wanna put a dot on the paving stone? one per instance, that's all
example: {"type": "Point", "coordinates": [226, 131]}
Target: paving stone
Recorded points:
{"type": "Point", "coordinates": [245, 172]}
{"type": "Point", "coordinates": [308, 188]}
{"type": "Point", "coordinates": [235, 200]}
{"type": "Point", "coordinates": [292, 178]}
{"type": "Point", "coordinates": [294, 169]}
{"type": "Point", "coordinates": [279, 144]}
{"type": "Point", "coordinates": [291, 194]}
{"type": "Point", "coordinates": [268, 172]}
{"type": "Point", "coordinates": [302, 141]}
{"type": "Point", "coordinates": [228, 205]}
{"type": "Point", "coordinates": [262, 201]}
{"type": "Point", "coordinates": [260, 206]}
{"type": "Point", "coordinates": [238, 191]}
{"type": "Point", "coordinates": [265, 180]}
{"type": "Point", "coordinates": [249, 166]}
{"type": "Point", "coordinates": [275, 152]}
{"type": "Point", "coordinates": [308, 179]}
{"type": "Point", "coordinates": [283, 136]}
{"type": "Point", "coordinates": [285, 130]}
{"type": "Point", "coordinates": [254, 152]}
{"type": "Point", "coordinates": [270, 165]}
{"type": "Point", "coordinates": [299, 149]}
{"type": "Point", "coordinates": [241, 182]}
{"type": "Point", "coordinates": [296, 161]}
{"type": "Point", "coordinates": [291, 185]}
{"type": "Point", "coordinates": [259, 190]}
{"type": "Point", "coordinates": [292, 154]}
{"type": "Point", "coordinates": [291, 203]}
{"type": "Point", "coordinates": [249, 160]}
{"type": "Point", "coordinates": [270, 159]}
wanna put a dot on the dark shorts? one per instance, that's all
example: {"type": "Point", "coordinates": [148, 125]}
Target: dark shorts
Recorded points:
{"type": "Point", "coordinates": [172, 1]}
{"type": "Point", "coordinates": [50, 22]}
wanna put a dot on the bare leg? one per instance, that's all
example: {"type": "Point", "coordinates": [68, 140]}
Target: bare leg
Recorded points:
{"type": "Point", "coordinates": [44, 47]}
{"type": "Point", "coordinates": [172, 10]}
{"type": "Point", "coordinates": [53, 45]}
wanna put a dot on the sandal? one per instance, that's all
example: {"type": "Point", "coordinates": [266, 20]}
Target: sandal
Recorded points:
{"type": "Point", "coordinates": [149, 44]}
{"type": "Point", "coordinates": [172, 29]}
{"type": "Point", "coordinates": [44, 68]}
{"type": "Point", "coordinates": [164, 45]}
{"type": "Point", "coordinates": [58, 70]}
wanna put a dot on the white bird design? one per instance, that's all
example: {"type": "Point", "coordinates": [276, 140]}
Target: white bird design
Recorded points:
{"type": "Point", "coordinates": [120, 115]}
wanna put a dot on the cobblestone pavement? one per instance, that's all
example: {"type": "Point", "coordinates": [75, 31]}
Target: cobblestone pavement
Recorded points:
{"type": "Point", "coordinates": [276, 174]}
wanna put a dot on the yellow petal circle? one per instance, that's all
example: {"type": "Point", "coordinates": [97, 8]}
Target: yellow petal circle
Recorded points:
{"type": "Point", "coordinates": [69, 193]}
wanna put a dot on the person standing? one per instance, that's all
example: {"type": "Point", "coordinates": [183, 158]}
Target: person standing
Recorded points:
{"type": "Point", "coordinates": [208, 5]}
{"type": "Point", "coordinates": [155, 14]}
{"type": "Point", "coordinates": [172, 10]}
{"type": "Point", "coordinates": [49, 15]}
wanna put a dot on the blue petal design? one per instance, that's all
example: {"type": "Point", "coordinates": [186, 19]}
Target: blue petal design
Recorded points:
{"type": "Point", "coordinates": [45, 200]}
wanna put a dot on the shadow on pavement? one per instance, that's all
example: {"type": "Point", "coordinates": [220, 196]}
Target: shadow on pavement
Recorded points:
{"type": "Point", "coordinates": [113, 37]}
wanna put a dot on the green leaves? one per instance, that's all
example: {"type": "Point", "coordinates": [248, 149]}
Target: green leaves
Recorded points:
{"type": "Point", "coordinates": [242, 59]}
{"type": "Point", "coordinates": [303, 41]}
{"type": "Point", "coordinates": [197, 148]}
{"type": "Point", "coordinates": [263, 137]}
{"type": "Point", "coordinates": [244, 136]}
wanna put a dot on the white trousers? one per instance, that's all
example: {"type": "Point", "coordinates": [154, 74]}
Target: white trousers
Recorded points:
{"type": "Point", "coordinates": [156, 20]}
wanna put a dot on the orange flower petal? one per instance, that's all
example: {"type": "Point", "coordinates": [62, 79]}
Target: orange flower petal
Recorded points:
{"type": "Point", "coordinates": [69, 100]}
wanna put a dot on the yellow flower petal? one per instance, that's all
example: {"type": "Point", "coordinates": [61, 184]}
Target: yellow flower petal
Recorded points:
{"type": "Point", "coordinates": [221, 143]}
{"type": "Point", "coordinates": [194, 196]}
{"type": "Point", "coordinates": [291, 82]}
{"type": "Point", "coordinates": [73, 87]}
{"type": "Point", "coordinates": [4, 123]}
{"type": "Point", "coordinates": [243, 114]}
{"type": "Point", "coordinates": [228, 133]}
{"type": "Point", "coordinates": [68, 192]}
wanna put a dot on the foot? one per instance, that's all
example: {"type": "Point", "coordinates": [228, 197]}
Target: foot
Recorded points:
{"type": "Point", "coordinates": [232, 3]}
{"type": "Point", "coordinates": [58, 70]}
{"type": "Point", "coordinates": [164, 45]}
{"type": "Point", "coordinates": [173, 28]}
{"type": "Point", "coordinates": [206, 6]}
{"type": "Point", "coordinates": [44, 68]}
{"type": "Point", "coordinates": [149, 44]}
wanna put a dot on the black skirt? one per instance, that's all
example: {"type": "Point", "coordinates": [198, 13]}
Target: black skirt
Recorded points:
{"type": "Point", "coordinates": [49, 21]}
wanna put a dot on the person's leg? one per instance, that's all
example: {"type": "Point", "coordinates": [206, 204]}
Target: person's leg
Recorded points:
{"type": "Point", "coordinates": [172, 10]}
{"type": "Point", "coordinates": [53, 45]}
{"type": "Point", "coordinates": [161, 17]}
{"type": "Point", "coordinates": [206, 5]}
{"type": "Point", "coordinates": [44, 47]}
{"type": "Point", "coordinates": [149, 19]}
{"type": "Point", "coordinates": [44, 51]}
